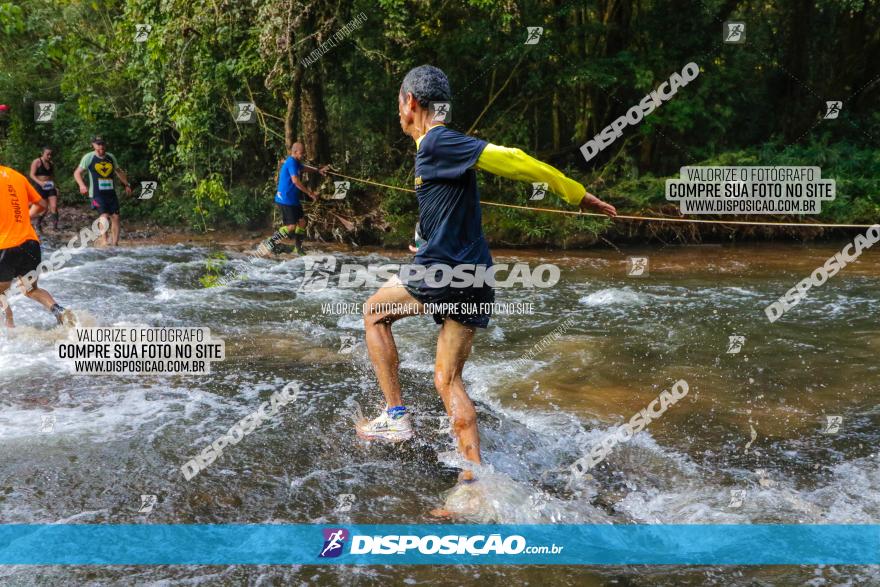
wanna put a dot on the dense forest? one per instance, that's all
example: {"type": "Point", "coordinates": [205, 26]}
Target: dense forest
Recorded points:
{"type": "Point", "coordinates": [327, 73]}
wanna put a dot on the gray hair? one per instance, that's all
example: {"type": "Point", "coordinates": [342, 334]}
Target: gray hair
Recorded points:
{"type": "Point", "coordinates": [427, 84]}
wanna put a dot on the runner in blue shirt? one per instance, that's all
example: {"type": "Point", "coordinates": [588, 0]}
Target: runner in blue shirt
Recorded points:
{"type": "Point", "coordinates": [290, 187]}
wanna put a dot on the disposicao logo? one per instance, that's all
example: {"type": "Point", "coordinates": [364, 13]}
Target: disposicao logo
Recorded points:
{"type": "Point", "coordinates": [334, 541]}
{"type": "Point", "coordinates": [431, 544]}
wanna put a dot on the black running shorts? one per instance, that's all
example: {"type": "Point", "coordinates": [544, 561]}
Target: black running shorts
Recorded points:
{"type": "Point", "coordinates": [470, 306]}
{"type": "Point", "coordinates": [19, 261]}
{"type": "Point", "coordinates": [106, 204]}
{"type": "Point", "coordinates": [290, 214]}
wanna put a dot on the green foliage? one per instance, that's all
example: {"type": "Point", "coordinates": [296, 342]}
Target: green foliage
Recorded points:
{"type": "Point", "coordinates": [11, 19]}
{"type": "Point", "coordinates": [165, 105]}
{"type": "Point", "coordinates": [214, 265]}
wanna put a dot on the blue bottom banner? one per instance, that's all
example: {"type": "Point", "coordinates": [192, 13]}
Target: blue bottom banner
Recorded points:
{"type": "Point", "coordinates": [443, 544]}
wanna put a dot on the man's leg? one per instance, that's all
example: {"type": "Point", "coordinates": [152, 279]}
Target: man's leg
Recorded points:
{"type": "Point", "coordinates": [114, 230]}
{"type": "Point", "coordinates": [53, 210]}
{"type": "Point", "coordinates": [453, 349]}
{"type": "Point", "coordinates": [285, 232]}
{"type": "Point", "coordinates": [380, 341]}
{"type": "Point", "coordinates": [4, 304]}
{"type": "Point", "coordinates": [39, 295]}
{"type": "Point", "coordinates": [102, 239]}
{"type": "Point", "coordinates": [299, 232]}
{"type": "Point", "coordinates": [32, 290]}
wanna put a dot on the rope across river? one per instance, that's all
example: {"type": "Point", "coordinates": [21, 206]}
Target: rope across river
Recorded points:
{"type": "Point", "coordinates": [619, 216]}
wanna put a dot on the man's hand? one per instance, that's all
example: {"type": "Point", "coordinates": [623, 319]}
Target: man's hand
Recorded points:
{"type": "Point", "coordinates": [592, 202]}
{"type": "Point", "coordinates": [314, 196]}
{"type": "Point", "coordinates": [83, 189]}
{"type": "Point", "coordinates": [128, 189]}
{"type": "Point", "coordinates": [323, 170]}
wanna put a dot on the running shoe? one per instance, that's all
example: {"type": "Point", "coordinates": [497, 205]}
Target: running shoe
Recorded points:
{"type": "Point", "coordinates": [64, 316]}
{"type": "Point", "coordinates": [268, 246]}
{"type": "Point", "coordinates": [386, 428]}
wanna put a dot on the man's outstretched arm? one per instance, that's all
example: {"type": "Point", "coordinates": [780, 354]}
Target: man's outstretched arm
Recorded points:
{"type": "Point", "coordinates": [315, 169]}
{"type": "Point", "coordinates": [515, 164]}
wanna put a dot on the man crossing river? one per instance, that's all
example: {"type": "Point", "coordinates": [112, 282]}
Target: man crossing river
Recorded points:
{"type": "Point", "coordinates": [450, 225]}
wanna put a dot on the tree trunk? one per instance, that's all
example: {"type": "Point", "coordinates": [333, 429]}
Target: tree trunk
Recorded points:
{"type": "Point", "coordinates": [293, 98]}
{"type": "Point", "coordinates": [795, 59]}
{"type": "Point", "coordinates": [290, 120]}
{"type": "Point", "coordinates": [556, 116]}
{"type": "Point", "coordinates": [312, 112]}
{"type": "Point", "coordinates": [313, 117]}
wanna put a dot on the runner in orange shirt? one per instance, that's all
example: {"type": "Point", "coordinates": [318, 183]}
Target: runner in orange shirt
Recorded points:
{"type": "Point", "coordinates": [20, 251]}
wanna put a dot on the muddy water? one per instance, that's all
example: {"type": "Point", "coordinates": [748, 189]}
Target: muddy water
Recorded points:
{"type": "Point", "coordinates": [752, 421]}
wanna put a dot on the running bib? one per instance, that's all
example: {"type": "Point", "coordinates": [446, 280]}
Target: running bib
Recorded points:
{"type": "Point", "coordinates": [48, 185]}
{"type": "Point", "coordinates": [105, 184]}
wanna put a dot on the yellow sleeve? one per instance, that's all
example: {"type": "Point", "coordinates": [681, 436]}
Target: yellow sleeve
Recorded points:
{"type": "Point", "coordinates": [515, 164]}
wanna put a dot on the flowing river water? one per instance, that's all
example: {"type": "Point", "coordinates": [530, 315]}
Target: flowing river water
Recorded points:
{"type": "Point", "coordinates": [750, 442]}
